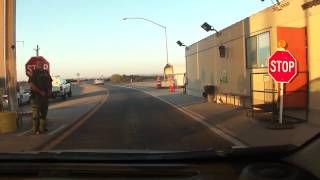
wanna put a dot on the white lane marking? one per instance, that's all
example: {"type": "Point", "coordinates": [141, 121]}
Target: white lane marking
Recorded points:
{"type": "Point", "coordinates": [194, 113]}
{"type": "Point", "coordinates": [76, 124]}
{"type": "Point", "coordinates": [25, 132]}
{"type": "Point", "coordinates": [56, 130]}
{"type": "Point", "coordinates": [200, 119]}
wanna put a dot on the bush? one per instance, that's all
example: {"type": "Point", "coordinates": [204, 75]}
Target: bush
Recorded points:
{"type": "Point", "coordinates": [116, 78]}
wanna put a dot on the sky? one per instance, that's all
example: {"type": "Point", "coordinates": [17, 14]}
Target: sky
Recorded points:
{"type": "Point", "coordinates": [90, 37]}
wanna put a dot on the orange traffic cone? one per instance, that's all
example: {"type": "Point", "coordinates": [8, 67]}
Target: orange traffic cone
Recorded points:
{"type": "Point", "coordinates": [171, 88]}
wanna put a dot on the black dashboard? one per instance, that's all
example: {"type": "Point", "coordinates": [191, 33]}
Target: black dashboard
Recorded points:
{"type": "Point", "coordinates": [249, 164]}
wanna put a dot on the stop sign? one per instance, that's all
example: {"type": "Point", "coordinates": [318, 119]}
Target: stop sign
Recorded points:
{"type": "Point", "coordinates": [31, 64]}
{"type": "Point", "coordinates": [282, 66]}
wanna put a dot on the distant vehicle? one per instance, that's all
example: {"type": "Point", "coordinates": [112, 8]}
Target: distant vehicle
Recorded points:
{"type": "Point", "coordinates": [4, 101]}
{"type": "Point", "coordinates": [98, 81]}
{"type": "Point", "coordinates": [71, 80]}
{"type": "Point", "coordinates": [61, 87]}
{"type": "Point", "coordinates": [23, 97]}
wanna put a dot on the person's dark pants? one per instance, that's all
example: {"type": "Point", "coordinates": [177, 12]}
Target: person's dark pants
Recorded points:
{"type": "Point", "coordinates": [185, 89]}
{"type": "Point", "coordinates": [39, 106]}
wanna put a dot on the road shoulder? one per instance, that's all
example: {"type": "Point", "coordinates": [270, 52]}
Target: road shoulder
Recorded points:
{"type": "Point", "coordinates": [62, 117]}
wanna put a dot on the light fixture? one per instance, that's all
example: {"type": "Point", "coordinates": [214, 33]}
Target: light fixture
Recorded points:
{"type": "Point", "coordinates": [180, 43]}
{"type": "Point", "coordinates": [207, 27]}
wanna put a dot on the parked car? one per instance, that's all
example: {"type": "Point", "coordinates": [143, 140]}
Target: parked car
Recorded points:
{"type": "Point", "coordinates": [61, 87]}
{"type": "Point", "coordinates": [4, 101]}
{"type": "Point", "coordinates": [23, 97]}
{"type": "Point", "coordinates": [98, 81]}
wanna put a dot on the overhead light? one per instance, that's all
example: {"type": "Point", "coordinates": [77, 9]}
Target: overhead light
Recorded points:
{"type": "Point", "coordinates": [180, 43]}
{"type": "Point", "coordinates": [207, 27]}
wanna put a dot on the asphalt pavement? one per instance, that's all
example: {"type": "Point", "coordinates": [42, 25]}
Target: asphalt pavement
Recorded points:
{"type": "Point", "coordinates": [131, 119]}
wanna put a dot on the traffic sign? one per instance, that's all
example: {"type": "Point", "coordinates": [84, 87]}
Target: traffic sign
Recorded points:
{"type": "Point", "coordinates": [282, 66]}
{"type": "Point", "coordinates": [31, 64]}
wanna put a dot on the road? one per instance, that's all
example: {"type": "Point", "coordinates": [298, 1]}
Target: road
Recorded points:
{"type": "Point", "coordinates": [130, 119]}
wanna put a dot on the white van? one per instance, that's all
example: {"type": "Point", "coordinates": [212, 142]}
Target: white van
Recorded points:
{"type": "Point", "coordinates": [98, 82]}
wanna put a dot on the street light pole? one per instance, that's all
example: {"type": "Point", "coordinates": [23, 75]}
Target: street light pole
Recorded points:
{"type": "Point", "coordinates": [165, 31]}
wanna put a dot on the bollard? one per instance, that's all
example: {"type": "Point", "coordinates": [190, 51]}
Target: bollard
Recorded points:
{"type": "Point", "coordinates": [8, 122]}
{"type": "Point", "coordinates": [210, 98]}
{"type": "Point", "coordinates": [171, 88]}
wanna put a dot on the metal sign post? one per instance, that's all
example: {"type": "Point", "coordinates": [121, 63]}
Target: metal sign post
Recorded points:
{"type": "Point", "coordinates": [281, 103]}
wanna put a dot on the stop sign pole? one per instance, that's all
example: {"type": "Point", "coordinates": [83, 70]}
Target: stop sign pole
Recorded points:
{"type": "Point", "coordinates": [281, 103]}
{"type": "Point", "coordinates": [282, 67]}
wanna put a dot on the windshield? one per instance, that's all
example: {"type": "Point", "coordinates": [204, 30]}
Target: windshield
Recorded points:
{"type": "Point", "coordinates": [158, 76]}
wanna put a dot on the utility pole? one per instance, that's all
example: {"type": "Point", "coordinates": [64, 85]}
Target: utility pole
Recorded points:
{"type": "Point", "coordinates": [78, 75]}
{"type": "Point", "coordinates": [10, 53]}
{"type": "Point", "coordinates": [2, 49]}
{"type": "Point", "coordinates": [37, 50]}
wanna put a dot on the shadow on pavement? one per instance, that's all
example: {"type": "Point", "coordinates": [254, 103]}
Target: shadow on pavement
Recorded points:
{"type": "Point", "coordinates": [213, 113]}
{"type": "Point", "coordinates": [183, 100]}
{"type": "Point", "coordinates": [96, 93]}
{"type": "Point", "coordinates": [73, 102]}
{"type": "Point", "coordinates": [77, 96]}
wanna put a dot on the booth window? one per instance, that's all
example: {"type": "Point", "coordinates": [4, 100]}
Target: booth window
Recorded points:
{"type": "Point", "coordinates": [258, 50]}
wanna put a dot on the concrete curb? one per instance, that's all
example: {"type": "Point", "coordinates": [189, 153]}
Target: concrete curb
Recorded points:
{"type": "Point", "coordinates": [68, 127]}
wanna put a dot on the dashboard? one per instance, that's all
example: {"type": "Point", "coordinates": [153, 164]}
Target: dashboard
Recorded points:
{"type": "Point", "coordinates": [251, 164]}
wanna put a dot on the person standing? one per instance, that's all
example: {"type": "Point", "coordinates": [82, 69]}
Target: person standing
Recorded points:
{"type": "Point", "coordinates": [185, 78]}
{"type": "Point", "coordinates": [40, 82]}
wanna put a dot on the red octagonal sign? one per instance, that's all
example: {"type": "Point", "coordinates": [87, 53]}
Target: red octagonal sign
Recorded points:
{"type": "Point", "coordinates": [282, 66]}
{"type": "Point", "coordinates": [31, 64]}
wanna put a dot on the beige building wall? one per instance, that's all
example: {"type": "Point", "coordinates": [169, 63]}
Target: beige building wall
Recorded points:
{"type": "Point", "coordinates": [192, 71]}
{"type": "Point", "coordinates": [313, 33]}
{"type": "Point", "coordinates": [204, 66]}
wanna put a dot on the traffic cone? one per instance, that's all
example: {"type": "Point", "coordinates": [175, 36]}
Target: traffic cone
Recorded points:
{"type": "Point", "coordinates": [171, 88]}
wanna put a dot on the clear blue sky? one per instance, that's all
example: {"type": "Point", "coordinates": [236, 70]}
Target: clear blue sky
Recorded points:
{"type": "Point", "coordinates": [90, 37]}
